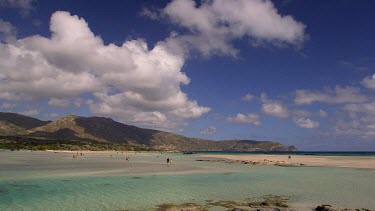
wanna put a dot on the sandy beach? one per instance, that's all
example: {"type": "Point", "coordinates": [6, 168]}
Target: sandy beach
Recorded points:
{"type": "Point", "coordinates": [334, 161]}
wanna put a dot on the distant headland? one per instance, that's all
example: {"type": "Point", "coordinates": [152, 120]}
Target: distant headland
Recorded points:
{"type": "Point", "coordinates": [99, 133]}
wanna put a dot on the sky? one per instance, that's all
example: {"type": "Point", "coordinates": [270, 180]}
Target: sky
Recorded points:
{"type": "Point", "coordinates": [298, 72]}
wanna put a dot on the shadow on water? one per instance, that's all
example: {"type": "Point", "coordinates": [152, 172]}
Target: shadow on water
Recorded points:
{"type": "Point", "coordinates": [104, 184]}
{"type": "Point", "coordinates": [267, 202]}
{"type": "Point", "coordinates": [24, 186]}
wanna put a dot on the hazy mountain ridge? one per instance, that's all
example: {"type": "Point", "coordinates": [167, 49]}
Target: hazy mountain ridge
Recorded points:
{"type": "Point", "coordinates": [101, 129]}
{"type": "Point", "coordinates": [22, 120]}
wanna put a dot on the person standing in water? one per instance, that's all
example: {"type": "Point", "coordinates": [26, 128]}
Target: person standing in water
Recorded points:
{"type": "Point", "coordinates": [167, 160]}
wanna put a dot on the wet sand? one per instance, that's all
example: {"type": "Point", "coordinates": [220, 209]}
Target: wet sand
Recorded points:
{"type": "Point", "coordinates": [333, 161]}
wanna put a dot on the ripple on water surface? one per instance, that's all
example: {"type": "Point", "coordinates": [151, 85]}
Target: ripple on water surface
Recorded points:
{"type": "Point", "coordinates": [78, 189]}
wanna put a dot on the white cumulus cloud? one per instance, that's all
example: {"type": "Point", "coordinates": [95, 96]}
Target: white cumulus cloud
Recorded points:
{"type": "Point", "coordinates": [347, 94]}
{"type": "Point", "coordinates": [275, 109]}
{"type": "Point", "coordinates": [245, 119]}
{"type": "Point", "coordinates": [369, 82]}
{"type": "Point", "coordinates": [214, 25]}
{"type": "Point", "coordinates": [129, 82]}
{"type": "Point", "coordinates": [306, 123]}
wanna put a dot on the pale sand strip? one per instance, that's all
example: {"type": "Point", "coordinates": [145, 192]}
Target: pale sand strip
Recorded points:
{"type": "Point", "coordinates": [334, 161]}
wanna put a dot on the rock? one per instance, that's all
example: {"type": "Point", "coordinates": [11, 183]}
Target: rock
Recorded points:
{"type": "Point", "coordinates": [278, 204]}
{"type": "Point", "coordinates": [238, 209]}
{"type": "Point", "coordinates": [325, 207]}
{"type": "Point", "coordinates": [181, 207]}
{"type": "Point", "coordinates": [265, 203]}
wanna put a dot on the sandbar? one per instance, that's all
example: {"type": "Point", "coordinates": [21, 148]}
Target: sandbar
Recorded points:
{"type": "Point", "coordinates": [359, 162]}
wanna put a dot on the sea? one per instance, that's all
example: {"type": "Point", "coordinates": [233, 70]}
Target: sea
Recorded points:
{"type": "Point", "coordinates": [57, 181]}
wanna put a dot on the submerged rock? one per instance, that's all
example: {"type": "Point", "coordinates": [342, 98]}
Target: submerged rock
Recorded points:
{"type": "Point", "coordinates": [270, 202]}
{"type": "Point", "coordinates": [181, 207]}
{"type": "Point", "coordinates": [250, 162]}
{"type": "Point", "coordinates": [228, 204]}
{"type": "Point", "coordinates": [325, 207]}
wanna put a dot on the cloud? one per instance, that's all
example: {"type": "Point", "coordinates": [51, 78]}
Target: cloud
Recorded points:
{"type": "Point", "coordinates": [30, 112]}
{"type": "Point", "coordinates": [322, 113]}
{"type": "Point", "coordinates": [306, 123]}
{"type": "Point", "coordinates": [367, 108]}
{"type": "Point", "coordinates": [7, 106]}
{"type": "Point", "coordinates": [209, 130]}
{"type": "Point", "coordinates": [245, 119]}
{"type": "Point", "coordinates": [25, 6]}
{"type": "Point", "coordinates": [347, 94]}
{"type": "Point", "coordinates": [153, 13]}
{"type": "Point", "coordinates": [358, 120]}
{"type": "Point", "coordinates": [7, 31]}
{"type": "Point", "coordinates": [353, 66]}
{"type": "Point", "coordinates": [56, 102]}
{"type": "Point", "coordinates": [301, 113]}
{"type": "Point", "coordinates": [130, 82]}
{"type": "Point", "coordinates": [363, 127]}
{"type": "Point", "coordinates": [248, 97]}
{"type": "Point", "coordinates": [214, 25]}
{"type": "Point", "coordinates": [369, 82]}
{"type": "Point", "coordinates": [52, 115]}
{"type": "Point", "coordinates": [275, 109]}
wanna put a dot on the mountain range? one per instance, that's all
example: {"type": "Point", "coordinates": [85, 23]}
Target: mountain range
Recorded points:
{"type": "Point", "coordinates": [101, 129]}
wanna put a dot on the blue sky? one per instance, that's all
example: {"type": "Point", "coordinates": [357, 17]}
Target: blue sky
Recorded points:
{"type": "Point", "coordinates": [297, 72]}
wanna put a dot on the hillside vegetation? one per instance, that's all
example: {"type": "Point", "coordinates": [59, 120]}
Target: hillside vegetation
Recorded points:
{"type": "Point", "coordinates": [105, 131]}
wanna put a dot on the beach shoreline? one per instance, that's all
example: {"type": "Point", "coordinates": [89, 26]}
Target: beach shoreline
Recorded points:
{"type": "Point", "coordinates": [356, 162]}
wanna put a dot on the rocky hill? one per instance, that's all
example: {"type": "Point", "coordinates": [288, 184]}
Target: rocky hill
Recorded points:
{"type": "Point", "coordinates": [21, 120]}
{"type": "Point", "coordinates": [100, 129]}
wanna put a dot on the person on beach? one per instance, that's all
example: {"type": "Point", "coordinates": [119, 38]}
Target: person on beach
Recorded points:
{"type": "Point", "coordinates": [167, 160]}
{"type": "Point", "coordinates": [289, 157]}
{"type": "Point", "coordinates": [127, 158]}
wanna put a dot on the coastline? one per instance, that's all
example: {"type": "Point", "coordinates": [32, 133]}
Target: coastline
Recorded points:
{"type": "Point", "coordinates": [146, 174]}
{"type": "Point", "coordinates": [357, 162]}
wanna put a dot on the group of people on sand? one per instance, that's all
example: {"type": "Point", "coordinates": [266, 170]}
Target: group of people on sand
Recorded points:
{"type": "Point", "coordinates": [78, 154]}
{"type": "Point", "coordinates": [169, 160]}
{"type": "Point", "coordinates": [127, 158]}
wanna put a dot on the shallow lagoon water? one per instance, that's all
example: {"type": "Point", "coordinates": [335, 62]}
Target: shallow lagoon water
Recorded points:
{"type": "Point", "coordinates": [55, 181]}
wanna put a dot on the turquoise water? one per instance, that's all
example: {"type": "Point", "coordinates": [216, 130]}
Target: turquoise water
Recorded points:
{"type": "Point", "coordinates": [49, 181]}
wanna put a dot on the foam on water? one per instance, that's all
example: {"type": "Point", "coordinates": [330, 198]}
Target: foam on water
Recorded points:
{"type": "Point", "coordinates": [48, 181]}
